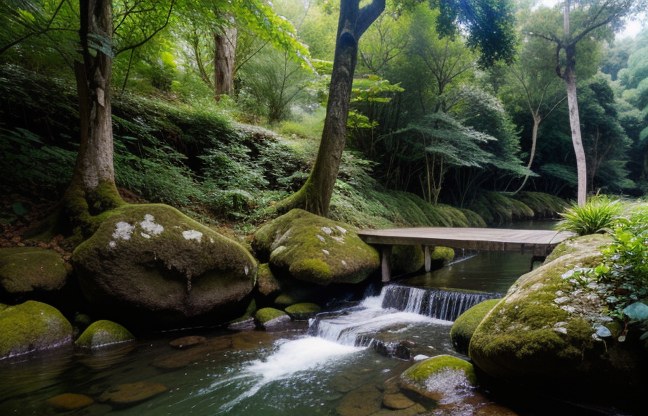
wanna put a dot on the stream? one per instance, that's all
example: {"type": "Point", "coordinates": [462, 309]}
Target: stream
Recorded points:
{"type": "Point", "coordinates": [304, 369]}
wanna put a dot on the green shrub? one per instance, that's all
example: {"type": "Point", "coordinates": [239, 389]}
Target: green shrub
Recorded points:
{"type": "Point", "coordinates": [597, 216]}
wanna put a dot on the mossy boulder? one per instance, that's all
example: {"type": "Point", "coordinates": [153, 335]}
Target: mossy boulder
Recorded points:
{"type": "Point", "coordinates": [442, 255]}
{"type": "Point", "coordinates": [103, 333]}
{"type": "Point", "coordinates": [151, 263]}
{"type": "Point", "coordinates": [314, 249]}
{"type": "Point", "coordinates": [406, 259]}
{"type": "Point", "coordinates": [544, 332]}
{"type": "Point", "coordinates": [438, 376]}
{"type": "Point", "coordinates": [31, 272]}
{"type": "Point", "coordinates": [32, 326]}
{"type": "Point", "coordinates": [303, 311]}
{"type": "Point", "coordinates": [270, 317]}
{"type": "Point", "coordinates": [465, 325]}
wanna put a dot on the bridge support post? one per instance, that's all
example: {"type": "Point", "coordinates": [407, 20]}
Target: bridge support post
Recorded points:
{"type": "Point", "coordinates": [428, 259]}
{"type": "Point", "coordinates": [386, 263]}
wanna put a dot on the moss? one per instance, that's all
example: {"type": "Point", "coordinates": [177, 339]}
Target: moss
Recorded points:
{"type": "Point", "coordinates": [579, 244]}
{"type": "Point", "coordinates": [303, 308]}
{"type": "Point", "coordinates": [314, 249]}
{"type": "Point", "coordinates": [32, 326]}
{"type": "Point", "coordinates": [444, 254]}
{"type": "Point", "coordinates": [267, 283]}
{"type": "Point", "coordinates": [103, 333]}
{"type": "Point", "coordinates": [406, 259]}
{"type": "Point", "coordinates": [423, 370]}
{"type": "Point", "coordinates": [474, 220]}
{"type": "Point", "coordinates": [495, 207]}
{"type": "Point", "coordinates": [26, 269]}
{"type": "Point", "coordinates": [3, 307]}
{"type": "Point", "coordinates": [465, 325]}
{"type": "Point", "coordinates": [267, 314]}
{"type": "Point", "coordinates": [543, 205]}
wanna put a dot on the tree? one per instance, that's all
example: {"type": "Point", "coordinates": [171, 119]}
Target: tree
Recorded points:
{"type": "Point", "coordinates": [591, 18]}
{"type": "Point", "coordinates": [490, 27]}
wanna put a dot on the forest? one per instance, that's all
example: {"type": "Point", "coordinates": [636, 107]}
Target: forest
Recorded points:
{"type": "Point", "coordinates": [189, 190]}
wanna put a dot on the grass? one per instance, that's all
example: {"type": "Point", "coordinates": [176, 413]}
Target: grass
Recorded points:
{"type": "Point", "coordinates": [596, 217]}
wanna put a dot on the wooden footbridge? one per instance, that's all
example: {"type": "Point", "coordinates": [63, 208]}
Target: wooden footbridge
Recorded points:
{"type": "Point", "coordinates": [537, 242]}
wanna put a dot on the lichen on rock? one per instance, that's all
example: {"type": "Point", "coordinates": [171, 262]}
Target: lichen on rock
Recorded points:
{"type": "Point", "coordinates": [32, 326]}
{"type": "Point", "coordinates": [102, 333]}
{"type": "Point", "coordinates": [152, 262]}
{"type": "Point", "coordinates": [314, 249]}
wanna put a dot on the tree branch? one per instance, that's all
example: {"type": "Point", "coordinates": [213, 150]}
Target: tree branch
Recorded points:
{"type": "Point", "coordinates": [158, 30]}
{"type": "Point", "coordinates": [368, 15]}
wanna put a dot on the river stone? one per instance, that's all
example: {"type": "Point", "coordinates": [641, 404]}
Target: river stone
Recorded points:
{"type": "Point", "coordinates": [186, 342]}
{"type": "Point", "coordinates": [31, 272]}
{"type": "Point", "coordinates": [406, 259]}
{"type": "Point", "coordinates": [397, 401]}
{"type": "Point", "coordinates": [32, 326]}
{"type": "Point", "coordinates": [543, 332]}
{"type": "Point", "coordinates": [152, 264]}
{"type": "Point", "coordinates": [102, 333]}
{"type": "Point", "coordinates": [270, 317]}
{"type": "Point", "coordinates": [132, 393]}
{"type": "Point", "coordinates": [465, 325]}
{"type": "Point", "coordinates": [69, 401]}
{"type": "Point", "coordinates": [303, 311]}
{"type": "Point", "coordinates": [441, 378]}
{"type": "Point", "coordinates": [361, 402]}
{"type": "Point", "coordinates": [198, 353]}
{"type": "Point", "coordinates": [247, 324]}
{"type": "Point", "coordinates": [314, 249]}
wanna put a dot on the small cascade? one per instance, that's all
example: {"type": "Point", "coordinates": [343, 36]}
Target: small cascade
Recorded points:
{"type": "Point", "coordinates": [435, 303]}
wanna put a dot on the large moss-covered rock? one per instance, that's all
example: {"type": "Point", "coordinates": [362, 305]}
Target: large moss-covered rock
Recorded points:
{"type": "Point", "coordinates": [438, 377]}
{"type": "Point", "coordinates": [406, 259]}
{"type": "Point", "coordinates": [32, 326]}
{"type": "Point", "coordinates": [103, 333]}
{"type": "Point", "coordinates": [153, 264]}
{"type": "Point", "coordinates": [31, 272]}
{"type": "Point", "coordinates": [549, 328]}
{"type": "Point", "coordinates": [465, 325]}
{"type": "Point", "coordinates": [314, 249]}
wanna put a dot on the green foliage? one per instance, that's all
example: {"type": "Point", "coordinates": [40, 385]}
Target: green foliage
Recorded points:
{"type": "Point", "coordinates": [599, 215]}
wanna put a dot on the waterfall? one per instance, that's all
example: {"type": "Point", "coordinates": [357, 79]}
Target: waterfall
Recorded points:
{"type": "Point", "coordinates": [435, 303]}
{"type": "Point", "coordinates": [395, 305]}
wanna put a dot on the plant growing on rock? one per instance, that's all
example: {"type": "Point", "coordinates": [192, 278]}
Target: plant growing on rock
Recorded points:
{"type": "Point", "coordinates": [598, 216]}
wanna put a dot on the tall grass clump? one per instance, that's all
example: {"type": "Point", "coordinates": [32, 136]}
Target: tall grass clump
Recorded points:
{"type": "Point", "coordinates": [598, 216]}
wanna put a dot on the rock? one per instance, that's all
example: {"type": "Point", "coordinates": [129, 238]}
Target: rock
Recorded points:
{"type": "Point", "coordinates": [268, 285]}
{"type": "Point", "coordinates": [406, 259]}
{"type": "Point", "coordinates": [269, 317]}
{"type": "Point", "coordinates": [246, 324]}
{"type": "Point", "coordinates": [314, 249]}
{"type": "Point", "coordinates": [32, 326]}
{"type": "Point", "coordinates": [442, 378]}
{"type": "Point", "coordinates": [198, 353]}
{"type": "Point", "coordinates": [465, 325]}
{"type": "Point", "coordinates": [361, 402]}
{"type": "Point", "coordinates": [150, 263]}
{"type": "Point", "coordinates": [543, 333]}
{"type": "Point", "coordinates": [186, 342]}
{"type": "Point", "coordinates": [492, 409]}
{"type": "Point", "coordinates": [442, 255]}
{"type": "Point", "coordinates": [397, 401]}
{"type": "Point", "coordinates": [303, 311]}
{"type": "Point", "coordinates": [132, 393]}
{"type": "Point", "coordinates": [31, 272]}
{"type": "Point", "coordinates": [69, 402]}
{"type": "Point", "coordinates": [102, 333]}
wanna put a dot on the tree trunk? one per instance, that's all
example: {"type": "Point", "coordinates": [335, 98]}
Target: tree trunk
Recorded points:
{"type": "Point", "coordinates": [224, 61]}
{"type": "Point", "coordinates": [315, 195]}
{"type": "Point", "coordinates": [534, 140]}
{"type": "Point", "coordinates": [574, 121]}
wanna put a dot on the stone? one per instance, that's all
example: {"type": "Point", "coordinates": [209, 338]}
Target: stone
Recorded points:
{"type": "Point", "coordinates": [406, 259]}
{"type": "Point", "coordinates": [397, 401]}
{"type": "Point", "coordinates": [187, 342]}
{"type": "Point", "coordinates": [31, 272]}
{"type": "Point", "coordinates": [102, 333]}
{"type": "Point", "coordinates": [150, 263]}
{"type": "Point", "coordinates": [32, 326]}
{"type": "Point", "coordinates": [529, 338]}
{"type": "Point", "coordinates": [69, 401]}
{"type": "Point", "coordinates": [303, 311]}
{"type": "Point", "coordinates": [267, 283]}
{"type": "Point", "coordinates": [270, 318]}
{"type": "Point", "coordinates": [246, 324]}
{"type": "Point", "coordinates": [360, 402]}
{"type": "Point", "coordinates": [442, 378]}
{"type": "Point", "coordinates": [465, 325]}
{"type": "Point", "coordinates": [196, 354]}
{"type": "Point", "coordinates": [130, 394]}
{"type": "Point", "coordinates": [314, 249]}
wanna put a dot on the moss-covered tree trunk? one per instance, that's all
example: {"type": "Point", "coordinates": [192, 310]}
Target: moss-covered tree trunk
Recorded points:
{"type": "Point", "coordinates": [93, 189]}
{"type": "Point", "coordinates": [315, 195]}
